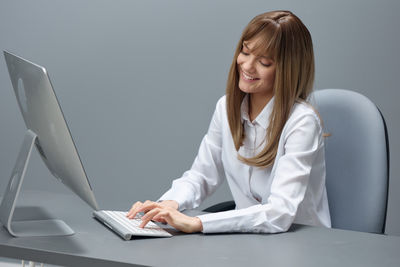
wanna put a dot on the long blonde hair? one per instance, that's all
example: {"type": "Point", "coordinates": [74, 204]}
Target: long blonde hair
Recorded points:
{"type": "Point", "coordinates": [284, 38]}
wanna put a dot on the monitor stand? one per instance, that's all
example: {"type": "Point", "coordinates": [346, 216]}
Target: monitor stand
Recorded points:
{"type": "Point", "coordinates": [7, 207]}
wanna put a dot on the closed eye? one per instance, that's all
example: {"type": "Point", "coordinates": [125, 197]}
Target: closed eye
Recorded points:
{"type": "Point", "coordinates": [265, 64]}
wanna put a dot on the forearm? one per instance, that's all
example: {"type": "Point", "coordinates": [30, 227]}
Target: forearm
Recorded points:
{"type": "Point", "coordinates": [255, 219]}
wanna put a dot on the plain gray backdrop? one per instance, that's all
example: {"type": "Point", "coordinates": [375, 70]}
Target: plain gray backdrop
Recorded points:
{"type": "Point", "coordinates": [138, 80]}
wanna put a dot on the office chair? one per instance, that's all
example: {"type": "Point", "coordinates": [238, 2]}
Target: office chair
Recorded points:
{"type": "Point", "coordinates": [357, 161]}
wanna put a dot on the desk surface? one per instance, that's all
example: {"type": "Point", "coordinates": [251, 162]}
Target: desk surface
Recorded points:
{"type": "Point", "coordinates": [93, 244]}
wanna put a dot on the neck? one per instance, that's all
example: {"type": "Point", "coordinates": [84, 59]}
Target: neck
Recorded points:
{"type": "Point", "coordinates": [257, 103]}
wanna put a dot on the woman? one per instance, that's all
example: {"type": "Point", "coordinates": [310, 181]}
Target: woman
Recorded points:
{"type": "Point", "coordinates": [264, 139]}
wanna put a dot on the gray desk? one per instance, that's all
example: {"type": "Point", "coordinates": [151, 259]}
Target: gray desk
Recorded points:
{"type": "Point", "coordinates": [95, 245]}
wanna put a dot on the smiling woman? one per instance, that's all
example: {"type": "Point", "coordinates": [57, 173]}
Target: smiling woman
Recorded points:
{"type": "Point", "coordinates": [281, 39]}
{"type": "Point", "coordinates": [264, 138]}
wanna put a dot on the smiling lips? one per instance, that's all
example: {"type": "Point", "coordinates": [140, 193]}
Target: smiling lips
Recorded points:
{"type": "Point", "coordinates": [247, 77]}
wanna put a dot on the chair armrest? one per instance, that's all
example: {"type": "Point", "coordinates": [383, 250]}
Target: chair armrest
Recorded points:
{"type": "Point", "coordinates": [223, 206]}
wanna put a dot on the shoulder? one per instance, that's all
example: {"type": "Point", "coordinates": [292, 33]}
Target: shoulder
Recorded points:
{"type": "Point", "coordinates": [220, 107]}
{"type": "Point", "coordinates": [222, 102]}
{"type": "Point", "coordinates": [303, 113]}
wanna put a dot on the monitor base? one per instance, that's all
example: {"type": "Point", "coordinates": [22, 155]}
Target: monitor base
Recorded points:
{"type": "Point", "coordinates": [26, 228]}
{"type": "Point", "coordinates": [40, 228]}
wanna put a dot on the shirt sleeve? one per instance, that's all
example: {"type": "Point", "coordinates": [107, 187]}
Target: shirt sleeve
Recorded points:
{"type": "Point", "coordinates": [206, 173]}
{"type": "Point", "coordinates": [302, 140]}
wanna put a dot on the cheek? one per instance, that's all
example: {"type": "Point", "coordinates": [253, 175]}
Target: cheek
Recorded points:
{"type": "Point", "coordinates": [268, 80]}
{"type": "Point", "coordinates": [270, 76]}
{"type": "Point", "coordinates": [239, 59]}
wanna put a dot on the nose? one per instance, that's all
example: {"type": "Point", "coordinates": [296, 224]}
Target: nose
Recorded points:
{"type": "Point", "coordinates": [248, 65]}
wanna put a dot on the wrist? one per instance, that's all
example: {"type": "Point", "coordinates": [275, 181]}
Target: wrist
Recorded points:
{"type": "Point", "coordinates": [198, 225]}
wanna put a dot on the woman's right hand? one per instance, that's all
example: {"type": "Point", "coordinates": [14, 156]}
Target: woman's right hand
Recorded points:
{"type": "Point", "coordinates": [149, 205]}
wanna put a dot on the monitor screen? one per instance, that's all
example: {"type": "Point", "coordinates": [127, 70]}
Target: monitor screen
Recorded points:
{"type": "Point", "coordinates": [43, 116]}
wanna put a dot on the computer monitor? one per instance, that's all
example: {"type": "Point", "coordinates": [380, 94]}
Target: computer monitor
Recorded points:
{"type": "Point", "coordinates": [48, 131]}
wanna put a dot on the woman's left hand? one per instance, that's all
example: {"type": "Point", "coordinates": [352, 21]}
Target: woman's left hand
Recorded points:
{"type": "Point", "coordinates": [160, 213]}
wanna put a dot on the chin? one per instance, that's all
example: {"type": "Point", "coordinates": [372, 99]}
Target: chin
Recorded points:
{"type": "Point", "coordinates": [246, 89]}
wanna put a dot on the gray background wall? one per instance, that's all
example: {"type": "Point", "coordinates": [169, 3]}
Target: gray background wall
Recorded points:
{"type": "Point", "coordinates": [138, 80]}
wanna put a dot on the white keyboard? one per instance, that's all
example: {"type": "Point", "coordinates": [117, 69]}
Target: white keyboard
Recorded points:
{"type": "Point", "coordinates": [126, 228]}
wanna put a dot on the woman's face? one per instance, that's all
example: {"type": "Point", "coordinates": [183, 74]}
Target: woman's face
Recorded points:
{"type": "Point", "coordinates": [257, 73]}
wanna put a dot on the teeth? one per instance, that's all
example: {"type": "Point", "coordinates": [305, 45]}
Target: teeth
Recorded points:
{"type": "Point", "coordinates": [248, 77]}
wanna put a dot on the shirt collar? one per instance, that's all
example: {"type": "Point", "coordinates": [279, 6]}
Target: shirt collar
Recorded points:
{"type": "Point", "coordinates": [262, 118]}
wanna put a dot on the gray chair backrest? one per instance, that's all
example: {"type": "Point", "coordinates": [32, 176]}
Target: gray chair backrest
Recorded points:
{"type": "Point", "coordinates": [357, 160]}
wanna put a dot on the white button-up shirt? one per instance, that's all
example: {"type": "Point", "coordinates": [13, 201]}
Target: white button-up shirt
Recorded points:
{"type": "Point", "coordinates": [269, 199]}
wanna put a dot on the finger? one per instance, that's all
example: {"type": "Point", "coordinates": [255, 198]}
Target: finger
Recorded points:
{"type": "Point", "coordinates": [163, 217]}
{"type": "Point", "coordinates": [147, 206]}
{"type": "Point", "coordinates": [147, 202]}
{"type": "Point", "coordinates": [177, 220]}
{"type": "Point", "coordinates": [159, 219]}
{"type": "Point", "coordinates": [134, 210]}
{"type": "Point", "coordinates": [149, 216]}
{"type": "Point", "coordinates": [143, 207]}
{"type": "Point", "coordinates": [134, 207]}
